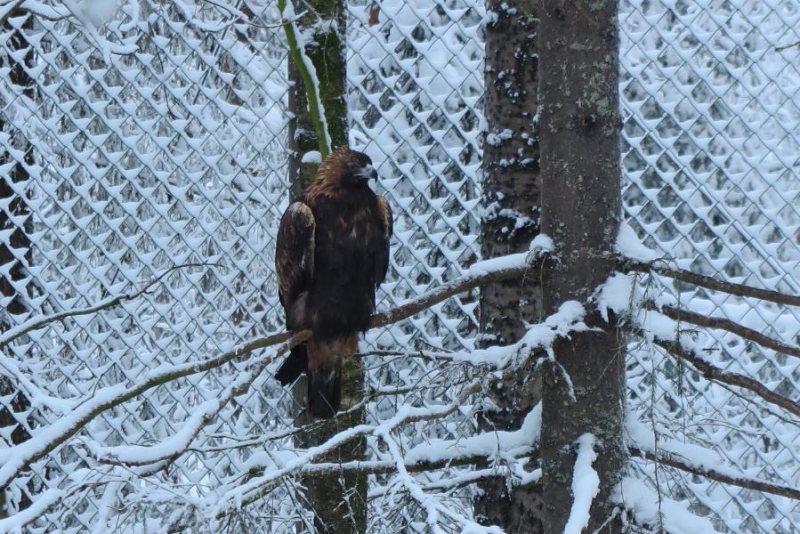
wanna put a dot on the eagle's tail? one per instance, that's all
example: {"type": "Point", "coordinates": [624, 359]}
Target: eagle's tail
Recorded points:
{"type": "Point", "coordinates": [293, 366]}
{"type": "Point", "coordinates": [325, 374]}
{"type": "Point", "coordinates": [324, 391]}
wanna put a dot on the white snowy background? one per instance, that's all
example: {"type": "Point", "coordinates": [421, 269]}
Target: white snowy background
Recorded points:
{"type": "Point", "coordinates": [159, 138]}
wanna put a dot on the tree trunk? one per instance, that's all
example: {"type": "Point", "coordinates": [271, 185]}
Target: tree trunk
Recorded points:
{"type": "Point", "coordinates": [580, 212]}
{"type": "Point", "coordinates": [338, 501]}
{"type": "Point", "coordinates": [328, 55]}
{"type": "Point", "coordinates": [511, 186]}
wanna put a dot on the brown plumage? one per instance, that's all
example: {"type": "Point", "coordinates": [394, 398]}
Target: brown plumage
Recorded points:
{"type": "Point", "coordinates": [332, 254]}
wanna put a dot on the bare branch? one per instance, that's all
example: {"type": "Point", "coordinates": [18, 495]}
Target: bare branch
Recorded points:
{"type": "Point", "coordinates": [518, 269]}
{"type": "Point", "coordinates": [787, 47]}
{"type": "Point", "coordinates": [675, 460]}
{"type": "Point", "coordinates": [712, 372]}
{"type": "Point", "coordinates": [39, 322]}
{"type": "Point", "coordinates": [707, 282]}
{"type": "Point", "coordinates": [683, 315]}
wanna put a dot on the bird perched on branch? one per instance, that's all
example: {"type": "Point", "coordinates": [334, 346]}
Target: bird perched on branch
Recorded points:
{"type": "Point", "coordinates": [332, 254]}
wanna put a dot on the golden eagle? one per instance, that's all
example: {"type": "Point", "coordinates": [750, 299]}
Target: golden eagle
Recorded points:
{"type": "Point", "coordinates": [332, 254]}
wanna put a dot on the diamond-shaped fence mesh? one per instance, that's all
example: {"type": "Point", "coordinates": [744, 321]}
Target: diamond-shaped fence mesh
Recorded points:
{"type": "Point", "coordinates": [143, 147]}
{"type": "Point", "coordinates": [711, 104]}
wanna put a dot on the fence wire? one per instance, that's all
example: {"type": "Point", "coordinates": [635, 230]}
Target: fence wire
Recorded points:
{"type": "Point", "coordinates": [712, 126]}
{"type": "Point", "coordinates": [143, 145]}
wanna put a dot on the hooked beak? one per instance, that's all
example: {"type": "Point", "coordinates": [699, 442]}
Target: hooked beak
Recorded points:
{"type": "Point", "coordinates": [368, 173]}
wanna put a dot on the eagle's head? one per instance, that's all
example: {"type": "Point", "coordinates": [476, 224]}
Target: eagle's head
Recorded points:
{"type": "Point", "coordinates": [346, 167]}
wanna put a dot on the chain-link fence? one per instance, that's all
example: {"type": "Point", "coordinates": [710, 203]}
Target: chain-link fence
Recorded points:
{"type": "Point", "coordinates": [712, 139]}
{"type": "Point", "coordinates": [143, 146]}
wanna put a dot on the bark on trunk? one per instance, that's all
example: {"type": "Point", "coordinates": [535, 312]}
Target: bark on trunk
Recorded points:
{"type": "Point", "coordinates": [511, 195]}
{"type": "Point", "coordinates": [338, 500]}
{"type": "Point", "coordinates": [580, 212]}
{"type": "Point", "coordinates": [328, 55]}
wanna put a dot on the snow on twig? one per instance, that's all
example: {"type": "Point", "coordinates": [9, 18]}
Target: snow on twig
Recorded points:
{"type": "Point", "coordinates": [48, 438]}
{"type": "Point", "coordinates": [136, 455]}
{"type": "Point", "coordinates": [665, 331]}
{"type": "Point", "coordinates": [740, 290]}
{"type": "Point", "coordinates": [18, 521]}
{"type": "Point", "coordinates": [686, 316]}
{"type": "Point", "coordinates": [38, 322]}
{"type": "Point", "coordinates": [428, 501]}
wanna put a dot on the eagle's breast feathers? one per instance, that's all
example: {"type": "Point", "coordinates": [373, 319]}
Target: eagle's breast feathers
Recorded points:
{"type": "Point", "coordinates": [332, 253]}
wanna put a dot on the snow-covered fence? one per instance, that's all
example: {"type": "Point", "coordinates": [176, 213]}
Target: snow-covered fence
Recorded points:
{"type": "Point", "coordinates": [143, 145]}
{"type": "Point", "coordinates": [711, 100]}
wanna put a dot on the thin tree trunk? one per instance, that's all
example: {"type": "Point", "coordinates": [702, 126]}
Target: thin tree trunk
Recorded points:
{"type": "Point", "coordinates": [338, 501]}
{"type": "Point", "coordinates": [580, 212]}
{"type": "Point", "coordinates": [328, 55]}
{"type": "Point", "coordinates": [511, 187]}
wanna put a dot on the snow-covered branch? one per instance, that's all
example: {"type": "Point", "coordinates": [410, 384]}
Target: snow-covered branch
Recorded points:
{"type": "Point", "coordinates": [19, 457]}
{"type": "Point", "coordinates": [509, 267]}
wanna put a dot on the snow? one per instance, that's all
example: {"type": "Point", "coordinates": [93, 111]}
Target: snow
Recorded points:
{"type": "Point", "coordinates": [162, 140]}
{"type": "Point", "coordinates": [542, 243]}
{"type": "Point", "coordinates": [510, 261]}
{"type": "Point", "coordinates": [585, 485]}
{"type": "Point", "coordinates": [18, 522]}
{"type": "Point", "coordinates": [629, 245]}
{"type": "Point", "coordinates": [312, 156]}
{"type": "Point", "coordinates": [615, 295]}
{"type": "Point", "coordinates": [654, 509]}
{"type": "Point", "coordinates": [539, 246]}
{"type": "Point", "coordinates": [501, 444]}
{"type": "Point", "coordinates": [497, 138]}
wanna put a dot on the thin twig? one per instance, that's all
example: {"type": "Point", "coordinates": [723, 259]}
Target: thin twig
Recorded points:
{"type": "Point", "coordinates": [39, 322]}
{"type": "Point", "coordinates": [707, 282]}
{"type": "Point", "coordinates": [712, 372]}
{"type": "Point", "coordinates": [786, 47]}
{"type": "Point", "coordinates": [674, 460]}
{"type": "Point", "coordinates": [238, 387]}
{"type": "Point", "coordinates": [683, 315]}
